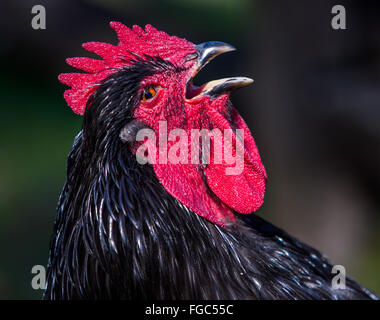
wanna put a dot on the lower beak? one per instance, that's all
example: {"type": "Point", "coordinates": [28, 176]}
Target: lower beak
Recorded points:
{"type": "Point", "coordinates": [217, 87]}
{"type": "Point", "coordinates": [206, 52]}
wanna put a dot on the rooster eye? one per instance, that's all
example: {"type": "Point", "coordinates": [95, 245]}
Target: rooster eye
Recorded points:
{"type": "Point", "coordinates": [148, 93]}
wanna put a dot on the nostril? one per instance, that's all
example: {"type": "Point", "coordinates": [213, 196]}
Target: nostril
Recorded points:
{"type": "Point", "coordinates": [190, 57]}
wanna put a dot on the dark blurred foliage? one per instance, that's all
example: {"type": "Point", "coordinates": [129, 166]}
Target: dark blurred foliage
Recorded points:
{"type": "Point", "coordinates": [314, 111]}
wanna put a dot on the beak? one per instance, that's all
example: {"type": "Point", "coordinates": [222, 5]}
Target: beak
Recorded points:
{"type": "Point", "coordinates": [206, 52]}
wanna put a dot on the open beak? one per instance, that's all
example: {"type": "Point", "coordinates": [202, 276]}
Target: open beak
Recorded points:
{"type": "Point", "coordinates": [206, 52]}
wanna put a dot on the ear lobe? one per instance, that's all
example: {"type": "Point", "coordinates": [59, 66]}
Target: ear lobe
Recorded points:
{"type": "Point", "coordinates": [130, 130]}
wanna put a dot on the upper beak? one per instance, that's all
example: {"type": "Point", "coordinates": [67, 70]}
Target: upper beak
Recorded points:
{"type": "Point", "coordinates": [209, 50]}
{"type": "Point", "coordinates": [206, 52]}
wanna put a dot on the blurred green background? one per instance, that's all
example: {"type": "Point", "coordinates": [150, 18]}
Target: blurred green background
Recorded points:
{"type": "Point", "coordinates": [314, 112]}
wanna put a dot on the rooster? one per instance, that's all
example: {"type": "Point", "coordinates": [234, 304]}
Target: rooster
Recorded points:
{"type": "Point", "coordinates": [129, 229]}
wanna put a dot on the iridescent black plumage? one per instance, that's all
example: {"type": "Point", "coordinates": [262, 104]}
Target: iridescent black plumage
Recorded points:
{"type": "Point", "coordinates": [119, 234]}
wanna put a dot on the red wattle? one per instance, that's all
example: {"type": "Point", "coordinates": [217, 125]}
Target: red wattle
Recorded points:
{"type": "Point", "coordinates": [242, 189]}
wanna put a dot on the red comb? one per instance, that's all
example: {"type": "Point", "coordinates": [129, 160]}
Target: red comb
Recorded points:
{"type": "Point", "coordinates": [132, 42]}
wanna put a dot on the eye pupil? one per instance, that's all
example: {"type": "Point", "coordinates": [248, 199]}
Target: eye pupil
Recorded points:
{"type": "Point", "coordinates": [148, 93]}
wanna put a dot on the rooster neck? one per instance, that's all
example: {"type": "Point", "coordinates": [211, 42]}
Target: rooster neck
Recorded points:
{"type": "Point", "coordinates": [127, 221]}
{"type": "Point", "coordinates": [119, 234]}
{"type": "Point", "coordinates": [115, 213]}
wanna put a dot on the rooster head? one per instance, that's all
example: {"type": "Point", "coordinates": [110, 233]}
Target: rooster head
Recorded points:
{"type": "Point", "coordinates": [146, 82]}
